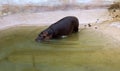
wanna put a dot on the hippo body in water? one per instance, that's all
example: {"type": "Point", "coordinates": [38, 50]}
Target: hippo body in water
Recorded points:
{"type": "Point", "coordinates": [63, 27]}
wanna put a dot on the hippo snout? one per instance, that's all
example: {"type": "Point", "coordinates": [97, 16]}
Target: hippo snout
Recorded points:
{"type": "Point", "coordinates": [38, 39]}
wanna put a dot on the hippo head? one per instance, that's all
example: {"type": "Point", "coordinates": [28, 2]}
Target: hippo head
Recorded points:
{"type": "Point", "coordinates": [43, 36]}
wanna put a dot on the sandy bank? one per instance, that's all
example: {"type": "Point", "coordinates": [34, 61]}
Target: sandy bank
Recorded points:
{"type": "Point", "coordinates": [47, 18]}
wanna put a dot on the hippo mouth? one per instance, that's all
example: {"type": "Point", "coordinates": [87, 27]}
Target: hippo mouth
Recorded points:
{"type": "Point", "coordinates": [39, 39]}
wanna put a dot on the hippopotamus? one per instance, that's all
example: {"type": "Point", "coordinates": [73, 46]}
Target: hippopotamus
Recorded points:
{"type": "Point", "coordinates": [63, 27]}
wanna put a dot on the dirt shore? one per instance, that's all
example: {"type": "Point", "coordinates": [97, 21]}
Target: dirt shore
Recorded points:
{"type": "Point", "coordinates": [47, 18]}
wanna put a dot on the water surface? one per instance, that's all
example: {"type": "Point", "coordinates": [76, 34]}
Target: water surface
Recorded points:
{"type": "Point", "coordinates": [87, 50]}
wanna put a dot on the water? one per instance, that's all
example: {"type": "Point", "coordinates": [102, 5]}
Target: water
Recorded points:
{"type": "Point", "coordinates": [87, 50]}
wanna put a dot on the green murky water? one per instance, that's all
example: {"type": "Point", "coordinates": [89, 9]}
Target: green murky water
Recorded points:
{"type": "Point", "coordinates": [87, 50]}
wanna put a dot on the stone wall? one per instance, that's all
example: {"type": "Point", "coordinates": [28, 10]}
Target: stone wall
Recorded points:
{"type": "Point", "coordinates": [17, 6]}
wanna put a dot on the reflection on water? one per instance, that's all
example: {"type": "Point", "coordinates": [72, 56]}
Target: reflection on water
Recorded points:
{"type": "Point", "coordinates": [87, 50]}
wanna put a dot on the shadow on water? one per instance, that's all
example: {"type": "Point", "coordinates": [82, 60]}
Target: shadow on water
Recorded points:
{"type": "Point", "coordinates": [87, 50]}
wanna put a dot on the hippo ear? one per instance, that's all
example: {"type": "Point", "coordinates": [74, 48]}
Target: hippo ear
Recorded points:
{"type": "Point", "coordinates": [50, 32]}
